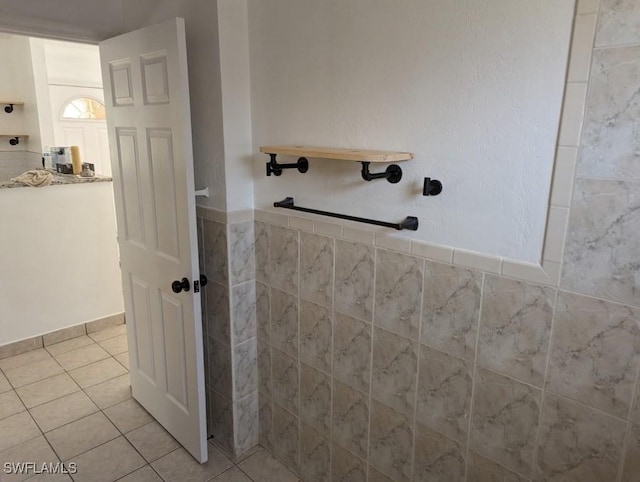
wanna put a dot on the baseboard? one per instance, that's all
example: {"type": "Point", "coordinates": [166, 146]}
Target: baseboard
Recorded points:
{"type": "Point", "coordinates": [29, 344]}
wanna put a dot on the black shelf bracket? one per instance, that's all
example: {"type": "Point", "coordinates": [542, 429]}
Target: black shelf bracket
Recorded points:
{"type": "Point", "coordinates": [393, 173]}
{"type": "Point", "coordinates": [276, 169]}
{"type": "Point", "coordinates": [410, 222]}
{"type": "Point", "coordinates": [431, 187]}
{"type": "Point", "coordinates": [8, 108]}
{"type": "Point", "coordinates": [14, 141]}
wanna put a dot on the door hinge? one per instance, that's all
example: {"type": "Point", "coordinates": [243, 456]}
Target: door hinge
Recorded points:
{"type": "Point", "coordinates": [196, 286]}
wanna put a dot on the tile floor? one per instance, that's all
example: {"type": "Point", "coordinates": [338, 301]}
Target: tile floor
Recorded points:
{"type": "Point", "coordinates": [71, 402]}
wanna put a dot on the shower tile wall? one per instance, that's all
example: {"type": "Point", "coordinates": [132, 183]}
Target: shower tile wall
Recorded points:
{"type": "Point", "coordinates": [230, 332]}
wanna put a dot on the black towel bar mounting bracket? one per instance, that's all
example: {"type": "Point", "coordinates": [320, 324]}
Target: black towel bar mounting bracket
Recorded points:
{"type": "Point", "coordinates": [8, 108]}
{"type": "Point", "coordinates": [14, 141]}
{"type": "Point", "coordinates": [276, 169]}
{"type": "Point", "coordinates": [393, 173]}
{"type": "Point", "coordinates": [431, 187]}
{"type": "Point", "coordinates": [410, 222]}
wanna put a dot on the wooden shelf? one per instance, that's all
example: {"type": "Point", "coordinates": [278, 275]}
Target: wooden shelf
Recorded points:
{"type": "Point", "coordinates": [21, 136]}
{"type": "Point", "coordinates": [359, 155]}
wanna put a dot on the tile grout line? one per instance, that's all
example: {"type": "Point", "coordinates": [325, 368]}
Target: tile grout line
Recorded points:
{"type": "Point", "coordinates": [418, 358]}
{"type": "Point", "coordinates": [371, 347]}
{"type": "Point", "coordinates": [545, 381]}
{"type": "Point", "coordinates": [232, 368]}
{"type": "Point", "coordinates": [332, 322]}
{"type": "Point", "coordinates": [474, 377]}
{"type": "Point", "coordinates": [267, 230]}
{"type": "Point", "coordinates": [299, 381]}
{"type": "Point", "coordinates": [629, 427]}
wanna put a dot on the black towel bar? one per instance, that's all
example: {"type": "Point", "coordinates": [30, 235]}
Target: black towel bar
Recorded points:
{"type": "Point", "coordinates": [410, 223]}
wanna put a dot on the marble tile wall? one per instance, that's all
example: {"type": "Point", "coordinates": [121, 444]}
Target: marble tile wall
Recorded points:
{"type": "Point", "coordinates": [230, 328]}
{"type": "Point", "coordinates": [428, 371]}
{"type": "Point", "coordinates": [601, 252]}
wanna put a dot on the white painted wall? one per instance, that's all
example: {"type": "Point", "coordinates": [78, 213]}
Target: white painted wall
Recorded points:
{"type": "Point", "coordinates": [233, 33]}
{"type": "Point", "coordinates": [59, 258]}
{"type": "Point", "coordinates": [473, 88]}
{"type": "Point", "coordinates": [41, 83]}
{"type": "Point", "coordinates": [72, 63]}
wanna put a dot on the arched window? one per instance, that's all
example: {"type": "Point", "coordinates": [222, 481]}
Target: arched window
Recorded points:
{"type": "Point", "coordinates": [83, 108]}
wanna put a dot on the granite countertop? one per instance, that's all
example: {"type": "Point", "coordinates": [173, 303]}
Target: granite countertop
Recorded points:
{"type": "Point", "coordinates": [59, 179]}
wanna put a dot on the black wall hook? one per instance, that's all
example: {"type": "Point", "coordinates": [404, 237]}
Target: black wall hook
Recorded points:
{"type": "Point", "coordinates": [8, 108]}
{"type": "Point", "coordinates": [432, 187]}
{"type": "Point", "coordinates": [276, 169]}
{"type": "Point", "coordinates": [393, 173]}
{"type": "Point", "coordinates": [14, 141]}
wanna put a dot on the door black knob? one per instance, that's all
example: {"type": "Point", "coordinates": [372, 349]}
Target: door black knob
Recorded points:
{"type": "Point", "coordinates": [178, 285]}
{"type": "Point", "coordinates": [203, 280]}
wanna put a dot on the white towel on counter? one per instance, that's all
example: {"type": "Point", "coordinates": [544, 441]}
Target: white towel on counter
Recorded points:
{"type": "Point", "coordinates": [35, 178]}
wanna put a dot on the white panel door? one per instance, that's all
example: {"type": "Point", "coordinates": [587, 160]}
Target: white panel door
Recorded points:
{"type": "Point", "coordinates": [149, 127]}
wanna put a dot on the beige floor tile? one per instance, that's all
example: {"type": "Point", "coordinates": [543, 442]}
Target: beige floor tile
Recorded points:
{"type": "Point", "coordinates": [128, 415]}
{"type": "Point", "coordinates": [123, 359]}
{"type": "Point", "coordinates": [82, 435]}
{"type": "Point", "coordinates": [4, 384]}
{"type": "Point", "coordinates": [107, 462]}
{"type": "Point", "coordinates": [81, 356]}
{"type": "Point", "coordinates": [109, 333]}
{"type": "Point", "coordinates": [62, 411]}
{"type": "Point", "coordinates": [36, 450]}
{"type": "Point", "coordinates": [46, 390]}
{"type": "Point", "coordinates": [232, 475]}
{"type": "Point", "coordinates": [17, 429]}
{"type": "Point", "coordinates": [51, 478]}
{"type": "Point", "coordinates": [264, 467]}
{"type": "Point", "coordinates": [180, 465]}
{"type": "Point", "coordinates": [69, 345]}
{"type": "Point", "coordinates": [115, 345]}
{"type": "Point", "coordinates": [97, 372]}
{"type": "Point", "coordinates": [111, 392]}
{"type": "Point", "coordinates": [152, 441]}
{"type": "Point", "coordinates": [33, 372]}
{"type": "Point", "coordinates": [145, 474]}
{"type": "Point", "coordinates": [24, 359]}
{"type": "Point", "coordinates": [10, 404]}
